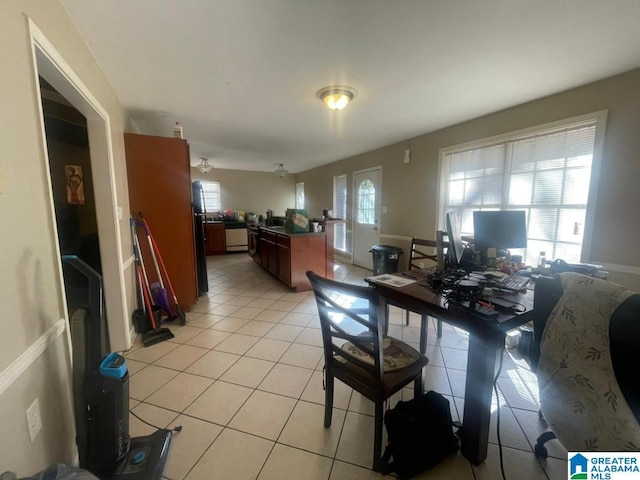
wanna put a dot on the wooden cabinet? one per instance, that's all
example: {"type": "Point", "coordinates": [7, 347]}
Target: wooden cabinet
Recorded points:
{"type": "Point", "coordinates": [289, 256]}
{"type": "Point", "coordinates": [269, 256]}
{"type": "Point", "coordinates": [283, 258]}
{"type": "Point", "coordinates": [308, 252]}
{"type": "Point", "coordinates": [272, 256]}
{"type": "Point", "coordinates": [159, 179]}
{"type": "Point", "coordinates": [252, 239]}
{"type": "Point", "coordinates": [216, 244]}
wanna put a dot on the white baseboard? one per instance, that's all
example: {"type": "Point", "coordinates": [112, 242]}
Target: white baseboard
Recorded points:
{"type": "Point", "coordinates": [343, 258]}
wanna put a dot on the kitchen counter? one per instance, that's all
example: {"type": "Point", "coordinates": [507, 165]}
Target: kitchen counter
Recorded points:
{"type": "Point", "coordinates": [228, 224]}
{"type": "Point", "coordinates": [288, 256]}
{"type": "Point", "coordinates": [282, 231]}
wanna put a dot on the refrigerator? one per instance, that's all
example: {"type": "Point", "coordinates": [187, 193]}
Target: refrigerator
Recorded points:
{"type": "Point", "coordinates": [199, 219]}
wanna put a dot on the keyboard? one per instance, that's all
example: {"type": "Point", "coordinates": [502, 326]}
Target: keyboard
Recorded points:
{"type": "Point", "coordinates": [514, 282]}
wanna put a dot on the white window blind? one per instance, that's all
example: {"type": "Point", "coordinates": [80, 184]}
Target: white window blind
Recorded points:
{"type": "Point", "coordinates": [340, 211]}
{"type": "Point", "coordinates": [211, 196]}
{"type": "Point", "coordinates": [300, 195]}
{"type": "Point", "coordinates": [547, 174]}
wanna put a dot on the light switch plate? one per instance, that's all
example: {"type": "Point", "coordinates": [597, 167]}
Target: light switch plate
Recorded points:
{"type": "Point", "coordinates": [34, 421]}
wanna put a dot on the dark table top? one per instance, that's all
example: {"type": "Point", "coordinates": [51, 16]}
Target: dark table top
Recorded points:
{"type": "Point", "coordinates": [419, 297]}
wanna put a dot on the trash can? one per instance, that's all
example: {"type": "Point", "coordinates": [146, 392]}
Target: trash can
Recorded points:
{"type": "Point", "coordinates": [385, 258]}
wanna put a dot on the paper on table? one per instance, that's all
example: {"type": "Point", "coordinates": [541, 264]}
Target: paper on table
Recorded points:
{"type": "Point", "coordinates": [392, 280]}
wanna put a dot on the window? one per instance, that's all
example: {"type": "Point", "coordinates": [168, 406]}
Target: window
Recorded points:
{"type": "Point", "coordinates": [211, 196]}
{"type": "Point", "coordinates": [547, 172]}
{"type": "Point", "coordinates": [340, 211]}
{"type": "Point", "coordinates": [367, 202]}
{"type": "Point", "coordinates": [300, 195]}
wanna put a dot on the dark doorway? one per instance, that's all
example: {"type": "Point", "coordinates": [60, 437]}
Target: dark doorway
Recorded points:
{"type": "Point", "coordinates": [71, 177]}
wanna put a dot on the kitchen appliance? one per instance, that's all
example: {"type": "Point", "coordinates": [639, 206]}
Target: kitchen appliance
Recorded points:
{"type": "Point", "coordinates": [236, 236]}
{"type": "Point", "coordinates": [199, 220]}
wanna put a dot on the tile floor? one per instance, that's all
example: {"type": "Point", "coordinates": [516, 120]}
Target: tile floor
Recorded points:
{"type": "Point", "coordinates": [244, 379]}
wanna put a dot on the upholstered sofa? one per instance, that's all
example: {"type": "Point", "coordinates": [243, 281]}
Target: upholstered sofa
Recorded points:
{"type": "Point", "coordinates": [595, 321]}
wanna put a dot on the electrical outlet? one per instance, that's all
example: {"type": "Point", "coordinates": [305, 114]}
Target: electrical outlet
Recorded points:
{"type": "Point", "coordinates": [34, 422]}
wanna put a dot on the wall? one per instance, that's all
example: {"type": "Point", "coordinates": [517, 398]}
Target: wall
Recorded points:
{"type": "Point", "coordinates": [410, 190]}
{"type": "Point", "coordinates": [252, 191]}
{"type": "Point", "coordinates": [34, 354]}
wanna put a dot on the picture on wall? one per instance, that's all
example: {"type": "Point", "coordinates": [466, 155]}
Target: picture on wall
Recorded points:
{"type": "Point", "coordinates": [75, 184]}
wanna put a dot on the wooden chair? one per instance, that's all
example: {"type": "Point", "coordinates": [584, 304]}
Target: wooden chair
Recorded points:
{"type": "Point", "coordinates": [357, 352]}
{"type": "Point", "coordinates": [428, 253]}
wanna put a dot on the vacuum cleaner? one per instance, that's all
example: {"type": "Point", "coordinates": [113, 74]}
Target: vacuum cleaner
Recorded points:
{"type": "Point", "coordinates": [101, 389]}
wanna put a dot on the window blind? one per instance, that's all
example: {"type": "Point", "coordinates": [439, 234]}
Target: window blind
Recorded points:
{"type": "Point", "coordinates": [546, 174]}
{"type": "Point", "coordinates": [211, 196]}
{"type": "Point", "coordinates": [340, 211]}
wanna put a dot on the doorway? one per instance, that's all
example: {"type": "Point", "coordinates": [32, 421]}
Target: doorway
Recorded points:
{"type": "Point", "coordinates": [50, 65]}
{"type": "Point", "coordinates": [71, 177]}
{"type": "Point", "coordinates": [367, 200]}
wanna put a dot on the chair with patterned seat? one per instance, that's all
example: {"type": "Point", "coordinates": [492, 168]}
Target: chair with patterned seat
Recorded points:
{"type": "Point", "coordinates": [357, 352]}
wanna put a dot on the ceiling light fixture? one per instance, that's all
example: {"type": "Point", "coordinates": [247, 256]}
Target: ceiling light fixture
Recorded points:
{"type": "Point", "coordinates": [336, 97]}
{"type": "Point", "coordinates": [281, 171]}
{"type": "Point", "coordinates": [204, 166]}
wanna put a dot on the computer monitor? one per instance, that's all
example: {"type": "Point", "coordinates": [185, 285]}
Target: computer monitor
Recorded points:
{"type": "Point", "coordinates": [502, 229]}
{"type": "Point", "coordinates": [455, 237]}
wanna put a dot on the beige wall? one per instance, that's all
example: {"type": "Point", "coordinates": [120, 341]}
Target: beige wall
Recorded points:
{"type": "Point", "coordinates": [252, 191]}
{"type": "Point", "coordinates": [30, 282]}
{"type": "Point", "coordinates": [410, 190]}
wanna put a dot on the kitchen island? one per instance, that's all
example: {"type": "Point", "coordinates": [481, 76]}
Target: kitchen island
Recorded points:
{"type": "Point", "coordinates": [288, 256]}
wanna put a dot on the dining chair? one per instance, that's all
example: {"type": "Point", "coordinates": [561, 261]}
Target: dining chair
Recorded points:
{"type": "Point", "coordinates": [426, 254]}
{"type": "Point", "coordinates": [357, 352]}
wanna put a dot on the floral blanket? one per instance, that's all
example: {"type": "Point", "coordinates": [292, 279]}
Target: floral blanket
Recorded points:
{"type": "Point", "coordinates": [579, 394]}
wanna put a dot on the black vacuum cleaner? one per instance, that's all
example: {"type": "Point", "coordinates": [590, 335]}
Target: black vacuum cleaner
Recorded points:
{"type": "Point", "coordinates": [101, 389]}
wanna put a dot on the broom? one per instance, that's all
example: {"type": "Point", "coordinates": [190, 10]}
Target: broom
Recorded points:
{"type": "Point", "coordinates": [156, 335]}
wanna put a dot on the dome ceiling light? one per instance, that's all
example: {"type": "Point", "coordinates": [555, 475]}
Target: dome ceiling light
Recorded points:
{"type": "Point", "coordinates": [336, 97]}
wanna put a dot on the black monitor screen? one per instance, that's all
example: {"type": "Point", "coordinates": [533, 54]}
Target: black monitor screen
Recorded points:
{"type": "Point", "coordinates": [455, 237]}
{"type": "Point", "coordinates": [500, 229]}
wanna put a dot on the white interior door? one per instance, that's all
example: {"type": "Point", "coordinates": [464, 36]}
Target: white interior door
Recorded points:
{"type": "Point", "coordinates": [366, 194]}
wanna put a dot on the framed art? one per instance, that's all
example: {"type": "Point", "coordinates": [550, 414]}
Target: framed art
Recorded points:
{"type": "Point", "coordinates": [75, 184]}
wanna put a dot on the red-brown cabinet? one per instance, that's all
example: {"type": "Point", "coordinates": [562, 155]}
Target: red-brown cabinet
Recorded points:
{"type": "Point", "coordinates": [289, 256]}
{"type": "Point", "coordinates": [216, 242]}
{"type": "Point", "coordinates": [159, 179]}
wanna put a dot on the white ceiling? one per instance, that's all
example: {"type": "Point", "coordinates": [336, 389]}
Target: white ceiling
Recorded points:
{"type": "Point", "coordinates": [242, 75]}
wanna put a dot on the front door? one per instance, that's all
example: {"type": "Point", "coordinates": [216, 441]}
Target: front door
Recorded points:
{"type": "Point", "coordinates": [366, 215]}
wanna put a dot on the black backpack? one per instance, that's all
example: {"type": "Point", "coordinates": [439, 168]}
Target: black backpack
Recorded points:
{"type": "Point", "coordinates": [420, 434]}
